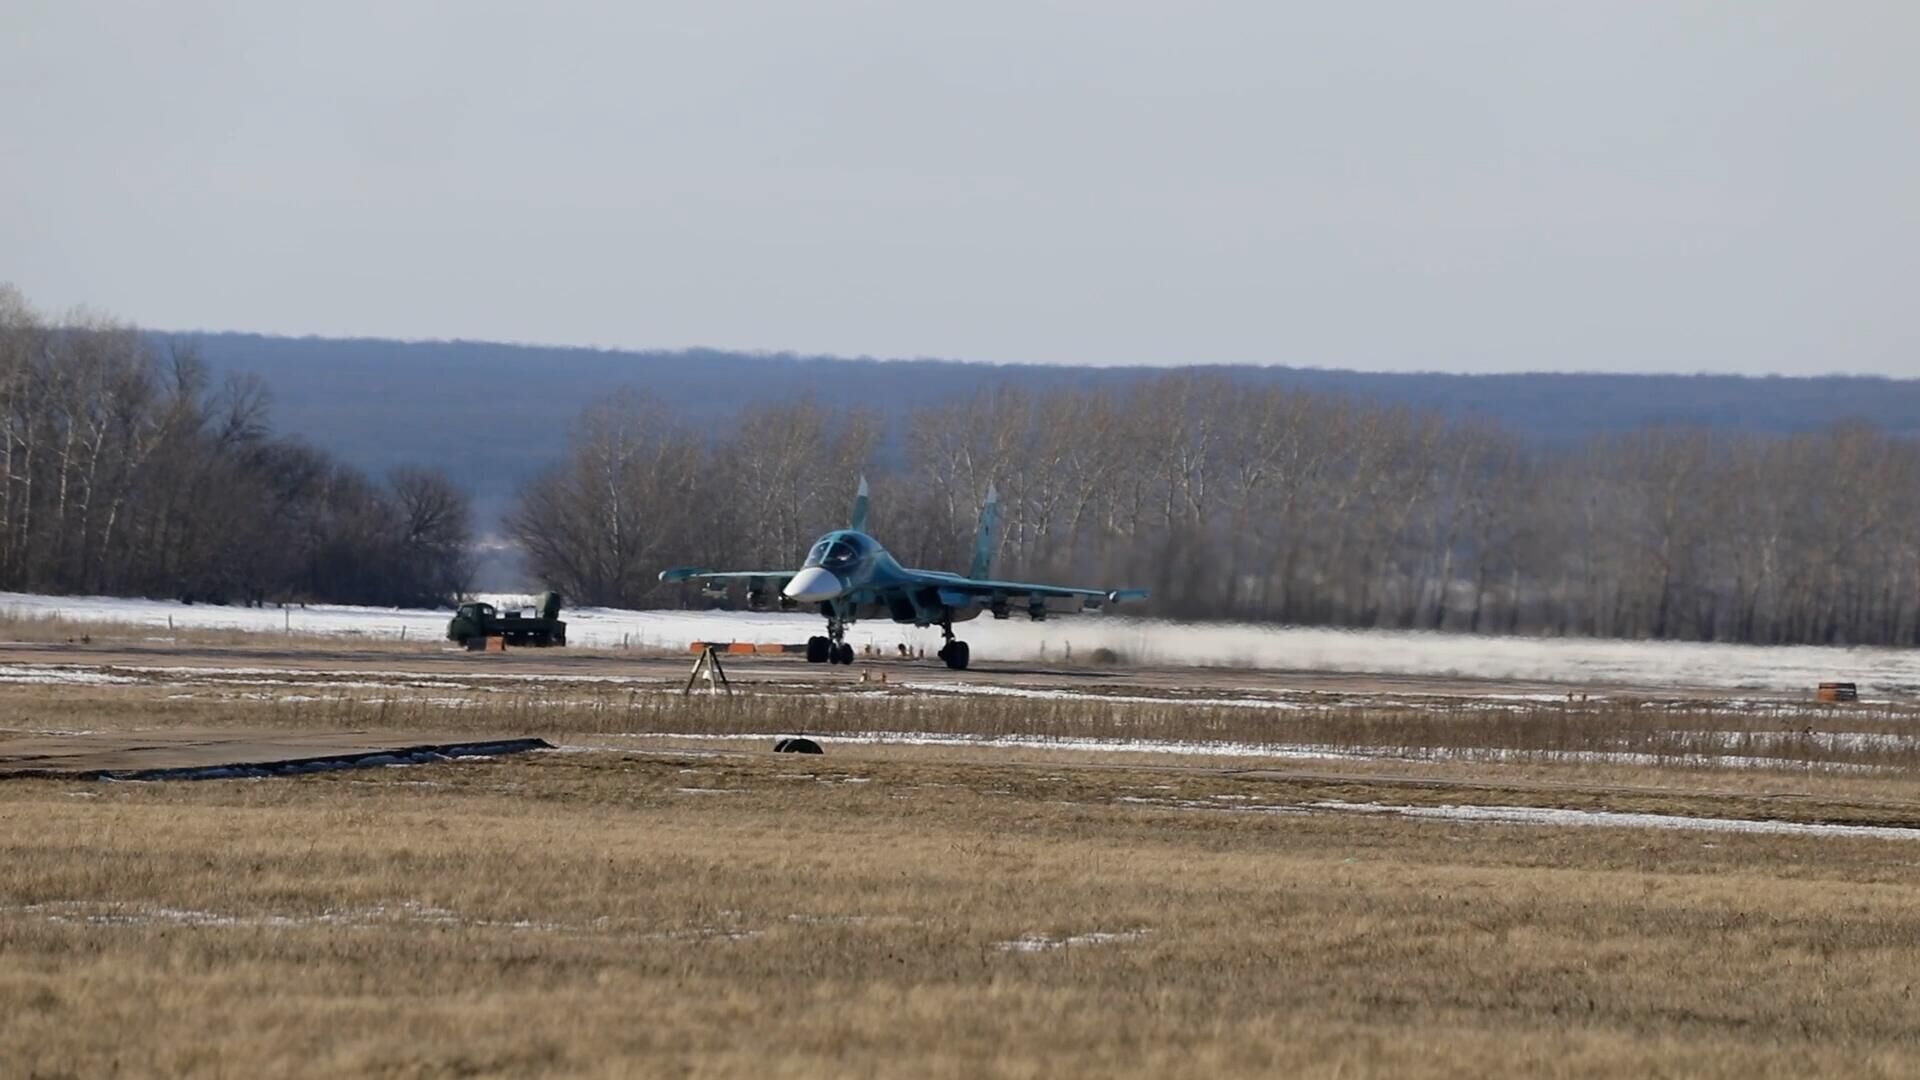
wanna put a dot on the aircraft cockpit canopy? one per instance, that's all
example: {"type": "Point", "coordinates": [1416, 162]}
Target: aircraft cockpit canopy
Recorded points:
{"type": "Point", "coordinates": [838, 552]}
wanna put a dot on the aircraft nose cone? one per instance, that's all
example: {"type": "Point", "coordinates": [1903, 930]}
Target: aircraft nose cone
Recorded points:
{"type": "Point", "coordinates": [812, 585]}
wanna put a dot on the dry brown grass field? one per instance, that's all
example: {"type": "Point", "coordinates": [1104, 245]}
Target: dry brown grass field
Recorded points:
{"type": "Point", "coordinates": [643, 903]}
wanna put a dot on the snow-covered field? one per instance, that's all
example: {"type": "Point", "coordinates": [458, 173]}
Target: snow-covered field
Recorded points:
{"type": "Point", "coordinates": [1880, 672]}
{"type": "Point", "coordinates": [1269, 751]}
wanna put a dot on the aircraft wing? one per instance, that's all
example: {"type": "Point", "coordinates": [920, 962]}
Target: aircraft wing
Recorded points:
{"type": "Point", "coordinates": [773, 579]}
{"type": "Point", "coordinates": [987, 589]}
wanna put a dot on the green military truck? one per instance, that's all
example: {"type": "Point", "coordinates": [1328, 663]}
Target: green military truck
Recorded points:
{"type": "Point", "coordinates": [475, 622]}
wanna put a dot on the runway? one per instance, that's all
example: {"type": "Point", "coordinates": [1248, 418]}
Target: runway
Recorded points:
{"type": "Point", "coordinates": [50, 662]}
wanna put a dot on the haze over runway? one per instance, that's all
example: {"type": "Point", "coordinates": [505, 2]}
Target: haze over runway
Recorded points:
{"type": "Point", "coordinates": [1494, 186]}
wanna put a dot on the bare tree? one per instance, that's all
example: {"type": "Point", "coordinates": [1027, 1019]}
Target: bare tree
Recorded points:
{"type": "Point", "coordinates": [601, 524]}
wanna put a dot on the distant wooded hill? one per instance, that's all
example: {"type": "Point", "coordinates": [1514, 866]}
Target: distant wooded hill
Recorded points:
{"type": "Point", "coordinates": [492, 415]}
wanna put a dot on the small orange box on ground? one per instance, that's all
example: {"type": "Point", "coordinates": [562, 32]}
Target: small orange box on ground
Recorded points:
{"type": "Point", "coordinates": [742, 648]}
{"type": "Point", "coordinates": [1837, 691]}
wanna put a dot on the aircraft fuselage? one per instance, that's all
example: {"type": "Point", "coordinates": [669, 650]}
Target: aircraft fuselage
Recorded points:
{"type": "Point", "coordinates": [852, 577]}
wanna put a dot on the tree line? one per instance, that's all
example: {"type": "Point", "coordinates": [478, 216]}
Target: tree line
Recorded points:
{"type": "Point", "coordinates": [1270, 505]}
{"type": "Point", "coordinates": [128, 470]}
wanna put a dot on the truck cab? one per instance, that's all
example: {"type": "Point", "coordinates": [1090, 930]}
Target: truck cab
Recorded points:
{"type": "Point", "coordinates": [470, 620]}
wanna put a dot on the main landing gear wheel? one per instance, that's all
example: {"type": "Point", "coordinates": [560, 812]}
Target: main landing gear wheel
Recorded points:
{"type": "Point", "coordinates": [955, 653]}
{"type": "Point", "coordinates": [825, 650]}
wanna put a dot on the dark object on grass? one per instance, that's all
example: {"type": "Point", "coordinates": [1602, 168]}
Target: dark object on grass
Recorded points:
{"type": "Point", "coordinates": [796, 744]}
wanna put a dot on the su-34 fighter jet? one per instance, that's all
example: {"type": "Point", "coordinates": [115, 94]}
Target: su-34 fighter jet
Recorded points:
{"type": "Point", "coordinates": [849, 576]}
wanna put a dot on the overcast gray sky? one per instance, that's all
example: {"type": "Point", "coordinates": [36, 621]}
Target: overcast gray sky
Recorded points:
{"type": "Point", "coordinates": [1470, 186]}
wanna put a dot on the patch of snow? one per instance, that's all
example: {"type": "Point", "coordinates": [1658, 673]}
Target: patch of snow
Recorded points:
{"type": "Point", "coordinates": [1544, 815]}
{"type": "Point", "coordinates": [831, 920]}
{"type": "Point", "coordinates": [93, 913]}
{"type": "Point", "coordinates": [1028, 943]}
{"type": "Point", "coordinates": [387, 678]}
{"type": "Point", "coordinates": [705, 933]}
{"type": "Point", "coordinates": [1819, 740]}
{"type": "Point", "coordinates": [1028, 742]}
{"type": "Point", "coordinates": [1285, 751]}
{"type": "Point", "coordinates": [1081, 695]}
{"type": "Point", "coordinates": [58, 674]}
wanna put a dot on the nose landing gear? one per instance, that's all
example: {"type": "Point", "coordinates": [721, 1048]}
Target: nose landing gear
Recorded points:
{"type": "Point", "coordinates": [831, 649]}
